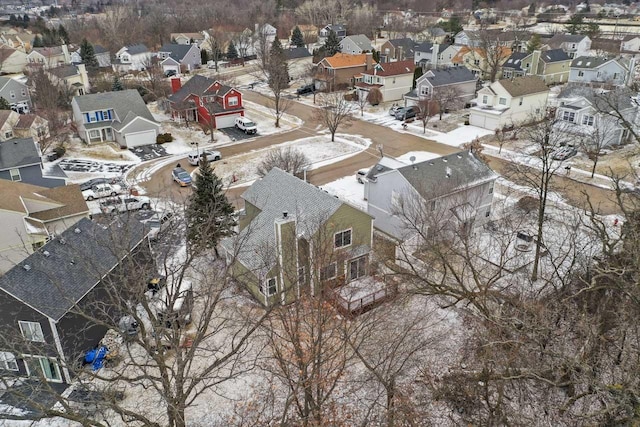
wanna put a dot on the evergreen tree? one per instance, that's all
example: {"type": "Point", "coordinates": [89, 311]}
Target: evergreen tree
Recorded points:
{"type": "Point", "coordinates": [204, 56]}
{"type": "Point", "coordinates": [4, 104]}
{"type": "Point", "coordinates": [332, 44]}
{"type": "Point", "coordinates": [534, 43]}
{"type": "Point", "coordinates": [63, 35]}
{"type": "Point", "coordinates": [117, 84]}
{"type": "Point", "coordinates": [416, 75]}
{"type": "Point", "coordinates": [26, 18]}
{"type": "Point", "coordinates": [375, 55]}
{"type": "Point", "coordinates": [575, 24]}
{"type": "Point", "coordinates": [232, 53]}
{"type": "Point", "coordinates": [88, 54]}
{"type": "Point", "coordinates": [37, 41]}
{"type": "Point", "coordinates": [209, 214]}
{"type": "Point", "coordinates": [277, 66]}
{"type": "Point", "coordinates": [297, 39]}
{"type": "Point", "coordinates": [12, 19]}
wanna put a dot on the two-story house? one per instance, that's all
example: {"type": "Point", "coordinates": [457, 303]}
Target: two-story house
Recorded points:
{"type": "Point", "coordinates": [131, 58]}
{"type": "Point", "coordinates": [398, 50]}
{"type": "Point", "coordinates": [339, 29]}
{"type": "Point", "coordinates": [43, 298]}
{"type": "Point", "coordinates": [510, 102]}
{"type": "Point", "coordinates": [393, 79]}
{"type": "Point", "coordinates": [33, 215]}
{"type": "Point", "coordinates": [120, 116]}
{"type": "Point", "coordinates": [337, 72]}
{"type": "Point", "coordinates": [15, 92]}
{"type": "Point", "coordinates": [49, 56]}
{"type": "Point", "coordinates": [630, 44]}
{"type": "Point", "coordinates": [512, 67]}
{"type": "Point", "coordinates": [21, 160]}
{"type": "Point", "coordinates": [433, 55]}
{"type": "Point", "coordinates": [484, 38]}
{"type": "Point", "coordinates": [103, 56]}
{"type": "Point", "coordinates": [356, 44]}
{"type": "Point", "coordinates": [206, 101]}
{"type": "Point", "coordinates": [12, 60]}
{"type": "Point", "coordinates": [457, 188]}
{"type": "Point", "coordinates": [73, 77]}
{"type": "Point", "coordinates": [175, 57]}
{"type": "Point", "coordinates": [296, 238]}
{"type": "Point", "coordinates": [552, 65]}
{"type": "Point", "coordinates": [588, 116]}
{"type": "Point", "coordinates": [482, 63]}
{"type": "Point", "coordinates": [457, 83]}
{"type": "Point", "coordinates": [574, 45]}
{"type": "Point", "coordinates": [14, 125]}
{"type": "Point", "coordinates": [187, 38]}
{"type": "Point", "coordinates": [591, 69]}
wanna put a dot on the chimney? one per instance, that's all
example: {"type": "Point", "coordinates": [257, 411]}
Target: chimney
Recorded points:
{"type": "Point", "coordinates": [82, 70]}
{"type": "Point", "coordinates": [435, 52]}
{"type": "Point", "coordinates": [368, 61]}
{"type": "Point", "coordinates": [399, 53]}
{"type": "Point", "coordinates": [175, 84]}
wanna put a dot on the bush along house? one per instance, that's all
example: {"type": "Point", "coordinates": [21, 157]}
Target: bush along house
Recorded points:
{"type": "Point", "coordinates": [206, 101]}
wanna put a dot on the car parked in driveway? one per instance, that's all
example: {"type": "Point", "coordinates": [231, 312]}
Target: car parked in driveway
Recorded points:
{"type": "Point", "coordinates": [159, 223]}
{"type": "Point", "coordinates": [181, 176]}
{"type": "Point", "coordinates": [95, 181]}
{"type": "Point", "coordinates": [310, 88]}
{"type": "Point", "coordinates": [564, 153]}
{"type": "Point", "coordinates": [195, 157]}
{"type": "Point", "coordinates": [405, 113]}
{"type": "Point", "coordinates": [99, 191]}
{"type": "Point", "coordinates": [246, 125]}
{"type": "Point", "coordinates": [361, 175]}
{"type": "Point", "coordinates": [125, 204]}
{"type": "Point", "coordinates": [393, 110]}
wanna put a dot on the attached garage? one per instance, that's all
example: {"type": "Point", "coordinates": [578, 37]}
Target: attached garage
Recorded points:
{"type": "Point", "coordinates": [137, 139]}
{"type": "Point", "coordinates": [227, 121]}
{"type": "Point", "coordinates": [485, 121]}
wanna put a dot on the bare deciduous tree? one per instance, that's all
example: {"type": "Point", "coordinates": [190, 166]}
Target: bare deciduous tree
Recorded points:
{"type": "Point", "coordinates": [288, 159]}
{"type": "Point", "coordinates": [335, 111]}
{"type": "Point", "coordinates": [446, 98]}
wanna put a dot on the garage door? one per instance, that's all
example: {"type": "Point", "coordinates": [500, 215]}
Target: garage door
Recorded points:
{"type": "Point", "coordinates": [140, 138]}
{"type": "Point", "coordinates": [486, 122]}
{"type": "Point", "coordinates": [227, 121]}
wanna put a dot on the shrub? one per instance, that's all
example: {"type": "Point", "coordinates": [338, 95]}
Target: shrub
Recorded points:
{"type": "Point", "coordinates": [160, 139]}
{"type": "Point", "coordinates": [167, 137]}
{"type": "Point", "coordinates": [59, 150]}
{"type": "Point", "coordinates": [527, 204]}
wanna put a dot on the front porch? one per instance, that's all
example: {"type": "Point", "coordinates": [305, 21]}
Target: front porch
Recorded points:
{"type": "Point", "coordinates": [101, 134]}
{"type": "Point", "coordinates": [361, 295]}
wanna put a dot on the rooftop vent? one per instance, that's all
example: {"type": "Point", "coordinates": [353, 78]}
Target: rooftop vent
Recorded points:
{"type": "Point", "coordinates": [77, 231]}
{"type": "Point", "coordinates": [26, 267]}
{"type": "Point", "coordinates": [379, 168]}
{"type": "Point", "coordinates": [459, 155]}
{"type": "Point", "coordinates": [46, 254]}
{"type": "Point", "coordinates": [285, 214]}
{"type": "Point", "coordinates": [444, 159]}
{"type": "Point", "coordinates": [62, 241]}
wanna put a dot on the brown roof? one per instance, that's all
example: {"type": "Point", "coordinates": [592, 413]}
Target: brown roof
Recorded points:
{"type": "Point", "coordinates": [392, 68]}
{"type": "Point", "coordinates": [66, 200]}
{"type": "Point", "coordinates": [6, 52]}
{"type": "Point", "coordinates": [346, 60]}
{"type": "Point", "coordinates": [25, 121]}
{"type": "Point", "coordinates": [4, 115]}
{"type": "Point", "coordinates": [524, 85]}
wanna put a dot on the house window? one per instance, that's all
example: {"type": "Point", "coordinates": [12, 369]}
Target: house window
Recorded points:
{"type": "Point", "coordinates": [506, 74]}
{"type": "Point", "coordinates": [329, 272]}
{"type": "Point", "coordinates": [491, 190]}
{"type": "Point", "coordinates": [502, 101]}
{"type": "Point", "coordinates": [476, 62]}
{"type": "Point", "coordinates": [587, 120]}
{"type": "Point", "coordinates": [8, 361]}
{"type": "Point", "coordinates": [487, 214]}
{"type": "Point", "coordinates": [32, 331]}
{"type": "Point", "coordinates": [394, 80]}
{"type": "Point", "coordinates": [8, 134]}
{"type": "Point", "coordinates": [268, 287]}
{"type": "Point", "coordinates": [358, 268]}
{"type": "Point", "coordinates": [106, 115]}
{"type": "Point", "coordinates": [12, 95]}
{"type": "Point", "coordinates": [38, 365]}
{"type": "Point", "coordinates": [23, 92]}
{"type": "Point", "coordinates": [424, 90]}
{"type": "Point", "coordinates": [233, 101]}
{"type": "Point", "coordinates": [485, 99]}
{"type": "Point", "coordinates": [15, 174]}
{"type": "Point", "coordinates": [568, 116]}
{"type": "Point", "coordinates": [598, 74]}
{"type": "Point", "coordinates": [615, 76]}
{"type": "Point", "coordinates": [342, 239]}
{"type": "Point", "coordinates": [521, 100]}
{"type": "Point", "coordinates": [94, 133]}
{"type": "Point", "coordinates": [302, 278]}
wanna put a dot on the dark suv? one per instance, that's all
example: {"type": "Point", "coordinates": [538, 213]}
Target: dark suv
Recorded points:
{"type": "Point", "coordinates": [405, 113]}
{"type": "Point", "coordinates": [310, 88]}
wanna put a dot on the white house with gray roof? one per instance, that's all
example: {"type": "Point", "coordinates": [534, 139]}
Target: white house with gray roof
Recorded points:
{"type": "Point", "coordinates": [173, 56]}
{"type": "Point", "coordinates": [458, 82]}
{"type": "Point", "coordinates": [457, 188]}
{"type": "Point", "coordinates": [355, 44]}
{"type": "Point", "coordinates": [134, 57]}
{"type": "Point", "coordinates": [120, 116]}
{"type": "Point", "coordinates": [590, 69]}
{"type": "Point", "coordinates": [14, 92]}
{"type": "Point", "coordinates": [574, 45]}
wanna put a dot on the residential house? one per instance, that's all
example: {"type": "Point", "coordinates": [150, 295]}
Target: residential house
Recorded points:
{"type": "Point", "coordinates": [14, 91]}
{"type": "Point", "coordinates": [485, 38]}
{"type": "Point", "coordinates": [339, 29]}
{"type": "Point", "coordinates": [21, 160]}
{"type": "Point", "coordinates": [393, 79]}
{"type": "Point", "coordinates": [103, 56]}
{"type": "Point", "coordinates": [176, 57]}
{"type": "Point", "coordinates": [510, 102]}
{"type": "Point", "coordinates": [552, 66]}
{"type": "Point", "coordinates": [337, 72]}
{"type": "Point", "coordinates": [574, 45]}
{"type": "Point", "coordinates": [73, 77]}
{"type": "Point", "coordinates": [77, 271]}
{"type": "Point", "coordinates": [630, 44]}
{"type": "Point", "coordinates": [33, 215]}
{"type": "Point", "coordinates": [458, 188]}
{"type": "Point", "coordinates": [485, 67]}
{"type": "Point", "coordinates": [298, 53]}
{"type": "Point", "coordinates": [456, 83]}
{"type": "Point", "coordinates": [188, 38]}
{"type": "Point", "coordinates": [355, 44]}
{"type": "Point", "coordinates": [265, 32]}
{"type": "Point", "coordinates": [8, 120]}
{"type": "Point", "coordinates": [512, 67]}
{"type": "Point", "coordinates": [434, 34]}
{"type": "Point", "coordinates": [120, 116]}
{"type": "Point", "coordinates": [398, 50]}
{"type": "Point", "coordinates": [49, 56]}
{"type": "Point", "coordinates": [297, 239]}
{"type": "Point", "coordinates": [587, 116]}
{"type": "Point", "coordinates": [591, 69]}
{"type": "Point", "coordinates": [12, 61]}
{"type": "Point", "coordinates": [425, 57]}
{"type": "Point", "coordinates": [131, 58]}
{"type": "Point", "coordinates": [206, 101]}
{"type": "Point", "coordinates": [19, 40]}
{"type": "Point", "coordinates": [14, 125]}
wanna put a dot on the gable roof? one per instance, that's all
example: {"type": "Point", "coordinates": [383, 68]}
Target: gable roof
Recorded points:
{"type": "Point", "coordinates": [127, 104]}
{"type": "Point", "coordinates": [427, 47]}
{"type": "Point", "coordinates": [64, 71]}
{"type": "Point", "coordinates": [5, 80]}
{"type": "Point", "coordinates": [447, 76]}
{"type": "Point", "coordinates": [6, 52]}
{"type": "Point", "coordinates": [97, 49]}
{"type": "Point", "coordinates": [66, 200]}
{"type": "Point", "coordinates": [385, 69]}
{"type": "Point", "coordinates": [602, 100]}
{"type": "Point", "coordinates": [48, 51]}
{"type": "Point", "coordinates": [630, 37]}
{"type": "Point", "coordinates": [18, 152]}
{"type": "Point", "coordinates": [346, 60]}
{"type": "Point", "coordinates": [335, 27]}
{"type": "Point", "coordinates": [588, 62]}
{"type": "Point", "coordinates": [523, 85]}
{"type": "Point", "coordinates": [558, 39]}
{"type": "Point", "coordinates": [554, 55]}
{"type": "Point", "coordinates": [514, 61]}
{"type": "Point", "coordinates": [196, 85]}
{"type": "Point", "coordinates": [4, 116]}
{"type": "Point", "coordinates": [359, 40]}
{"type": "Point", "coordinates": [176, 51]}
{"type": "Point", "coordinates": [408, 45]}
{"type": "Point", "coordinates": [26, 120]}
{"type": "Point", "coordinates": [68, 267]}
{"type": "Point", "coordinates": [135, 49]}
{"type": "Point", "coordinates": [297, 53]}
{"type": "Point", "coordinates": [194, 36]}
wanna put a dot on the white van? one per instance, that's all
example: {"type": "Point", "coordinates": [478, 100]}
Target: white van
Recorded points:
{"type": "Point", "coordinates": [195, 156]}
{"type": "Point", "coordinates": [246, 125]}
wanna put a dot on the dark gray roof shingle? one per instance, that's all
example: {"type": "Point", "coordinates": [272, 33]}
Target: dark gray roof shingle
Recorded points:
{"type": "Point", "coordinates": [135, 49]}
{"type": "Point", "coordinates": [123, 103]}
{"type": "Point", "coordinates": [64, 71]}
{"type": "Point", "coordinates": [514, 62]}
{"type": "Point", "coordinates": [196, 85]}
{"type": "Point", "coordinates": [427, 47]}
{"type": "Point", "coordinates": [588, 62]}
{"type": "Point", "coordinates": [447, 76]}
{"type": "Point", "coordinates": [408, 45]}
{"type": "Point", "coordinates": [554, 55]}
{"type": "Point", "coordinates": [297, 53]}
{"type": "Point", "coordinates": [176, 51]}
{"type": "Point", "coordinates": [18, 152]}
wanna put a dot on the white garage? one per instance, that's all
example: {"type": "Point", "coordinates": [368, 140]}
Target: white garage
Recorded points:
{"type": "Point", "coordinates": [485, 121]}
{"type": "Point", "coordinates": [137, 139]}
{"type": "Point", "coordinates": [226, 121]}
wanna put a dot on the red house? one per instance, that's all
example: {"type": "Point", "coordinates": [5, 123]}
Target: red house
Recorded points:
{"type": "Point", "coordinates": [206, 101]}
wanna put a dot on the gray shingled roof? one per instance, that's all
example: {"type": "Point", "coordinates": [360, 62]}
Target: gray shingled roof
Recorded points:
{"type": "Point", "coordinates": [447, 76]}
{"type": "Point", "coordinates": [127, 104]}
{"type": "Point", "coordinates": [558, 39]}
{"type": "Point", "coordinates": [274, 194]}
{"type": "Point", "coordinates": [18, 152]}
{"type": "Point", "coordinates": [428, 47]}
{"type": "Point", "coordinates": [554, 55]}
{"type": "Point", "coordinates": [361, 41]}
{"type": "Point", "coordinates": [64, 71]}
{"type": "Point", "coordinates": [524, 85]}
{"type": "Point", "coordinates": [135, 49]}
{"type": "Point", "coordinates": [588, 62]}
{"type": "Point", "coordinates": [514, 61]}
{"type": "Point", "coordinates": [602, 100]}
{"type": "Point", "coordinates": [176, 51]}
{"type": "Point", "coordinates": [297, 52]}
{"type": "Point", "coordinates": [196, 85]}
{"type": "Point", "coordinates": [52, 284]}
{"type": "Point", "coordinates": [408, 45]}
{"type": "Point", "coordinates": [97, 49]}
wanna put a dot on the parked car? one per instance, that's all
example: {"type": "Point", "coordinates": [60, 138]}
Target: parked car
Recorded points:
{"type": "Point", "coordinates": [95, 181]}
{"type": "Point", "coordinates": [361, 175]}
{"type": "Point", "coordinates": [181, 176]}
{"type": "Point", "coordinates": [310, 88]}
{"type": "Point", "coordinates": [170, 73]}
{"type": "Point", "coordinates": [158, 223]}
{"type": "Point", "coordinates": [124, 204]}
{"type": "Point", "coordinates": [246, 125]}
{"type": "Point", "coordinates": [20, 108]}
{"type": "Point", "coordinates": [393, 110]}
{"type": "Point", "coordinates": [195, 157]}
{"type": "Point", "coordinates": [564, 153]}
{"type": "Point", "coordinates": [99, 191]}
{"type": "Point", "coordinates": [405, 113]}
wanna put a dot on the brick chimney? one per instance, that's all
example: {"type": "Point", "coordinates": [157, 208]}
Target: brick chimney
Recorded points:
{"type": "Point", "coordinates": [399, 53]}
{"type": "Point", "coordinates": [175, 84]}
{"type": "Point", "coordinates": [368, 61]}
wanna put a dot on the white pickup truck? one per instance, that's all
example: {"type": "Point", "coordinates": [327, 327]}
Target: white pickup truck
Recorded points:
{"type": "Point", "coordinates": [99, 191]}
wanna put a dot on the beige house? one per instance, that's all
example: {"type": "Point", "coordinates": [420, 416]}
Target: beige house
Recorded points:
{"type": "Point", "coordinates": [49, 56]}
{"type": "Point", "coordinates": [73, 77]}
{"type": "Point", "coordinates": [552, 66]}
{"type": "Point", "coordinates": [31, 126]}
{"type": "Point", "coordinates": [337, 72]}
{"type": "Point", "coordinates": [8, 120]}
{"type": "Point", "coordinates": [12, 61]}
{"type": "Point", "coordinates": [481, 64]}
{"type": "Point", "coordinates": [32, 215]}
{"type": "Point", "coordinates": [393, 79]}
{"type": "Point", "coordinates": [20, 40]}
{"type": "Point", "coordinates": [507, 103]}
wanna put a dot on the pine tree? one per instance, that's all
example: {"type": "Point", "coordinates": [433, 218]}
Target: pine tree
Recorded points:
{"type": "Point", "coordinates": [375, 54]}
{"type": "Point", "coordinates": [204, 56]}
{"type": "Point", "coordinates": [37, 41]}
{"type": "Point", "coordinates": [209, 214]}
{"type": "Point", "coordinates": [575, 24]}
{"type": "Point", "coordinates": [63, 35]}
{"type": "Point", "coordinates": [232, 53]}
{"type": "Point", "coordinates": [117, 84]}
{"type": "Point", "coordinates": [332, 44]}
{"type": "Point", "coordinates": [278, 67]}
{"type": "Point", "coordinates": [534, 43]}
{"type": "Point", "coordinates": [88, 54]}
{"type": "Point", "coordinates": [297, 39]}
{"type": "Point", "coordinates": [4, 104]}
